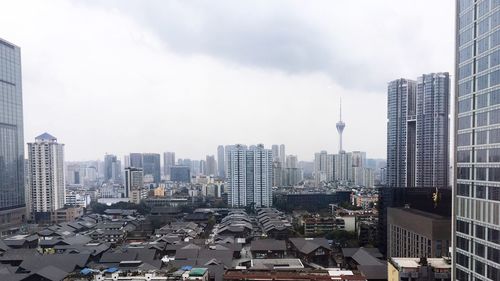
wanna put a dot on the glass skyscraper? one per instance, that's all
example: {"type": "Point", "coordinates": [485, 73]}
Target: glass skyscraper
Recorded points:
{"type": "Point", "coordinates": [12, 197]}
{"type": "Point", "coordinates": [477, 141]}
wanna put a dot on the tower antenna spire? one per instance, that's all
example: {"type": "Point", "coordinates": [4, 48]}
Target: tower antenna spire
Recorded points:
{"type": "Point", "coordinates": [340, 127]}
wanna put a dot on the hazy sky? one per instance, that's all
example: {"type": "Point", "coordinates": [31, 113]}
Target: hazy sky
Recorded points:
{"type": "Point", "coordinates": [184, 76]}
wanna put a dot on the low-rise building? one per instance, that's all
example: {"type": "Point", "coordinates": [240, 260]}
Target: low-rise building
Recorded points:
{"type": "Point", "coordinates": [419, 269]}
{"type": "Point", "coordinates": [66, 214]}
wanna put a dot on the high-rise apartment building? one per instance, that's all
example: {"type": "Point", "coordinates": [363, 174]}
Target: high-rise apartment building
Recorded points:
{"type": "Point", "coordinates": [12, 201]}
{"type": "Point", "coordinates": [276, 152]}
{"type": "Point", "coordinates": [477, 140]}
{"type": "Point", "coordinates": [134, 180]}
{"type": "Point", "coordinates": [324, 167]}
{"type": "Point", "coordinates": [432, 141]}
{"type": "Point", "coordinates": [168, 162]}
{"type": "Point", "coordinates": [151, 166]}
{"type": "Point", "coordinates": [46, 157]}
{"type": "Point", "coordinates": [249, 173]}
{"type": "Point", "coordinates": [401, 130]}
{"type": "Point", "coordinates": [221, 171]}
{"type": "Point", "coordinates": [417, 131]}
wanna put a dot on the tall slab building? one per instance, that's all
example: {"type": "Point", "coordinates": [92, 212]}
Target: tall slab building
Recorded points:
{"type": "Point", "coordinates": [12, 191]}
{"type": "Point", "coordinates": [417, 131]}
{"type": "Point", "coordinates": [477, 141]}
{"type": "Point", "coordinates": [48, 190]}
{"type": "Point", "coordinates": [250, 176]}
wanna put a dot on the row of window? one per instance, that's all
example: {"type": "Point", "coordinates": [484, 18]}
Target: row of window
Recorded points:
{"type": "Point", "coordinates": [479, 191]}
{"type": "Point", "coordinates": [481, 232]}
{"type": "Point", "coordinates": [491, 155]}
{"type": "Point", "coordinates": [484, 174]}
{"type": "Point", "coordinates": [481, 250]}
{"type": "Point", "coordinates": [491, 136]}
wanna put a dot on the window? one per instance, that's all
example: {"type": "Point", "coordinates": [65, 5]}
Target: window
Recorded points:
{"type": "Point", "coordinates": [466, 70]}
{"type": "Point", "coordinates": [462, 243]}
{"type": "Point", "coordinates": [463, 156]}
{"type": "Point", "coordinates": [482, 119]}
{"type": "Point", "coordinates": [495, 97]}
{"type": "Point", "coordinates": [494, 193]}
{"type": "Point", "coordinates": [483, 45]}
{"type": "Point", "coordinates": [464, 139]}
{"type": "Point", "coordinates": [493, 272]}
{"type": "Point", "coordinates": [483, 8]}
{"type": "Point", "coordinates": [495, 58]}
{"type": "Point", "coordinates": [462, 260]}
{"type": "Point", "coordinates": [463, 189]}
{"type": "Point", "coordinates": [463, 173]}
{"type": "Point", "coordinates": [481, 174]}
{"type": "Point", "coordinates": [479, 249]}
{"type": "Point", "coordinates": [480, 191]}
{"type": "Point", "coordinates": [465, 88]}
{"type": "Point", "coordinates": [481, 155]}
{"type": "Point", "coordinates": [481, 65]}
{"type": "Point", "coordinates": [483, 26]}
{"type": "Point", "coordinates": [466, 19]}
{"type": "Point", "coordinates": [481, 137]}
{"type": "Point", "coordinates": [494, 155]}
{"type": "Point", "coordinates": [479, 267]}
{"type": "Point", "coordinates": [495, 136]}
{"type": "Point", "coordinates": [495, 78]}
{"type": "Point", "coordinates": [494, 174]}
{"type": "Point", "coordinates": [481, 101]}
{"type": "Point", "coordinates": [482, 82]}
{"type": "Point", "coordinates": [495, 116]}
{"type": "Point", "coordinates": [465, 53]}
{"type": "Point", "coordinates": [493, 235]}
{"type": "Point", "coordinates": [494, 255]}
{"type": "Point", "coordinates": [464, 122]}
{"type": "Point", "coordinates": [466, 36]}
{"type": "Point", "coordinates": [480, 232]}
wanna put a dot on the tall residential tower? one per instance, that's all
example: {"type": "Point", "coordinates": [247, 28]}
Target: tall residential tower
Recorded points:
{"type": "Point", "coordinates": [417, 131]}
{"type": "Point", "coordinates": [46, 158]}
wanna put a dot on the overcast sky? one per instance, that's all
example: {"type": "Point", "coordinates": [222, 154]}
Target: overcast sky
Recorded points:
{"type": "Point", "coordinates": [153, 76]}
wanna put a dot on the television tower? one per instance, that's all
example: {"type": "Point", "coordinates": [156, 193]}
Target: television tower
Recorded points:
{"type": "Point", "coordinates": [340, 127]}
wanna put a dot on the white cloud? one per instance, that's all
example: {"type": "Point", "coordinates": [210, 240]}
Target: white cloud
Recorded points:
{"type": "Point", "coordinates": [116, 79]}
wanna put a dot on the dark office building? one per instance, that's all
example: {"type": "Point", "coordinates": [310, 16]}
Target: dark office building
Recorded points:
{"type": "Point", "coordinates": [180, 174]}
{"type": "Point", "coordinates": [12, 201]}
{"type": "Point", "coordinates": [412, 233]}
{"type": "Point", "coordinates": [135, 160]}
{"type": "Point", "coordinates": [151, 165]}
{"type": "Point", "coordinates": [309, 201]}
{"type": "Point", "coordinates": [419, 198]}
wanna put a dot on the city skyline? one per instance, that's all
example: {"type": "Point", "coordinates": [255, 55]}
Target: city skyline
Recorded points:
{"type": "Point", "coordinates": [304, 96]}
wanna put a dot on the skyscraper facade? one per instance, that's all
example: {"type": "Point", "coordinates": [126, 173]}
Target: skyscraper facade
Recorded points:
{"type": "Point", "coordinates": [250, 176]}
{"type": "Point", "coordinates": [168, 162]}
{"type": "Point", "coordinates": [12, 198]}
{"type": "Point", "coordinates": [477, 139]}
{"type": "Point", "coordinates": [221, 171]}
{"type": "Point", "coordinates": [276, 152]}
{"type": "Point", "coordinates": [151, 166]}
{"type": "Point", "coordinates": [46, 157]}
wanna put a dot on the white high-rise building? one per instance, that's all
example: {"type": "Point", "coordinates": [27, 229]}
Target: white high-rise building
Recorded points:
{"type": "Point", "coordinates": [343, 167]}
{"type": "Point", "coordinates": [221, 171]}
{"type": "Point", "coordinates": [276, 152]}
{"type": "Point", "coordinates": [249, 172]}
{"type": "Point", "coordinates": [47, 187]}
